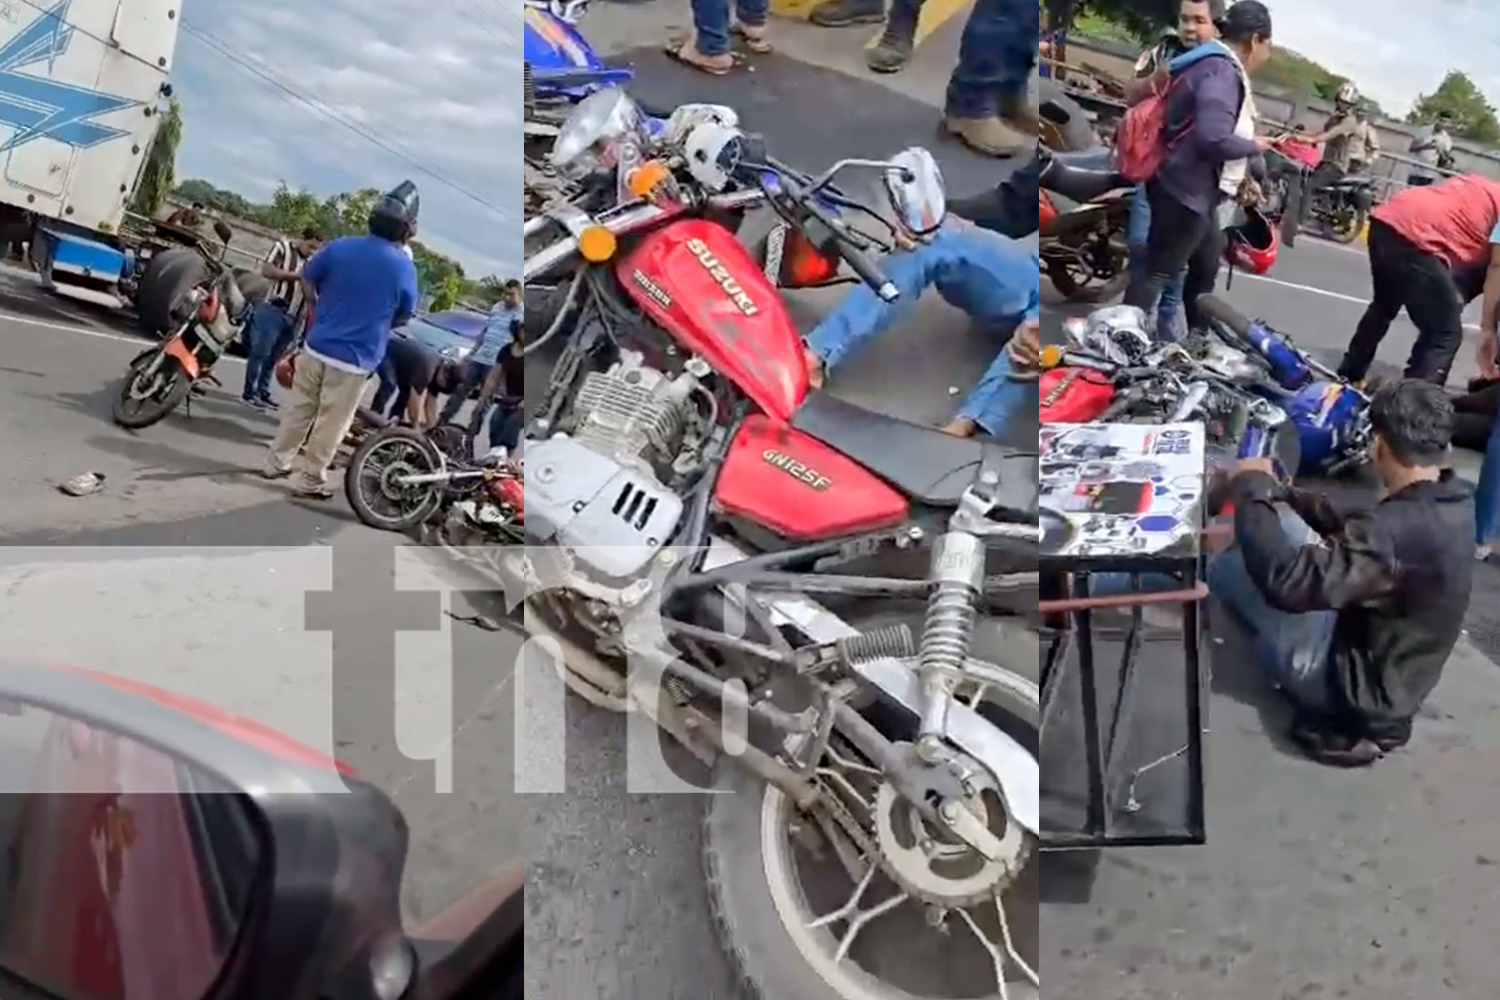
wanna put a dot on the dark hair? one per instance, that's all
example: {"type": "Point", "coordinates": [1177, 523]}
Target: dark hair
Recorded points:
{"type": "Point", "coordinates": [1415, 420]}
{"type": "Point", "coordinates": [1216, 8]}
{"type": "Point", "coordinates": [1245, 22]}
{"type": "Point", "coordinates": [313, 233]}
{"type": "Point", "coordinates": [511, 286]}
{"type": "Point", "coordinates": [197, 204]}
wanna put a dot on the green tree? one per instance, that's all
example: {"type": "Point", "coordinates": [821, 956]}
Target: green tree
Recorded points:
{"type": "Point", "coordinates": [157, 174]}
{"type": "Point", "coordinates": [1144, 20]}
{"type": "Point", "coordinates": [1473, 116]}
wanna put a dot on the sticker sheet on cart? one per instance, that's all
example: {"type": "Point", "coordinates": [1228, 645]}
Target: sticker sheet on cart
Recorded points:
{"type": "Point", "coordinates": [1125, 488]}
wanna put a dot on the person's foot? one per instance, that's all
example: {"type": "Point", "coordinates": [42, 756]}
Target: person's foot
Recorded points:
{"type": "Point", "coordinates": [272, 473]}
{"type": "Point", "coordinates": [1483, 553]}
{"type": "Point", "coordinates": [843, 13]}
{"type": "Point", "coordinates": [268, 402]}
{"type": "Point", "coordinates": [687, 53]}
{"type": "Point", "coordinates": [754, 37]}
{"type": "Point", "coordinates": [1332, 744]}
{"type": "Point", "coordinates": [893, 51]}
{"type": "Point", "coordinates": [1021, 116]}
{"type": "Point", "coordinates": [253, 402]}
{"type": "Point", "coordinates": [305, 489]}
{"type": "Point", "coordinates": [961, 427]}
{"type": "Point", "coordinates": [817, 374]}
{"type": "Point", "coordinates": [989, 136]}
{"type": "Point", "coordinates": [1389, 736]}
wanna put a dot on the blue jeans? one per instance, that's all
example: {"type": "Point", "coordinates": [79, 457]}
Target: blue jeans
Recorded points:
{"type": "Point", "coordinates": [1291, 649]}
{"type": "Point", "coordinates": [990, 277]}
{"type": "Point", "coordinates": [994, 58]}
{"type": "Point", "coordinates": [268, 334]}
{"type": "Point", "coordinates": [506, 425]}
{"type": "Point", "coordinates": [711, 21]}
{"type": "Point", "coordinates": [1137, 232]}
{"type": "Point", "coordinates": [1487, 494]}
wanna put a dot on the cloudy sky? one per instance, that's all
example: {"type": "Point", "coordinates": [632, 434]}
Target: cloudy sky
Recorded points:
{"type": "Point", "coordinates": [438, 80]}
{"type": "Point", "coordinates": [1395, 49]}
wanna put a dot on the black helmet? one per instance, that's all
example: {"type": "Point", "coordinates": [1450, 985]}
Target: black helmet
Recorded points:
{"type": "Point", "coordinates": [394, 216]}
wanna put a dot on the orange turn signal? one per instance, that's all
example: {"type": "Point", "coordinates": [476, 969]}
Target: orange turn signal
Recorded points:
{"type": "Point", "coordinates": [1051, 356]}
{"type": "Point", "coordinates": [597, 245]}
{"type": "Point", "coordinates": [645, 180]}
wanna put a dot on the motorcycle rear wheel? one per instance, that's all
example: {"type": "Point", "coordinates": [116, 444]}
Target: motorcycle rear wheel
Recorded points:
{"type": "Point", "coordinates": [142, 399]}
{"type": "Point", "coordinates": [368, 481]}
{"type": "Point", "coordinates": [762, 912]}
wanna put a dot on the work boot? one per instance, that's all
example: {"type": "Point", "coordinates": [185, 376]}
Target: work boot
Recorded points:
{"type": "Point", "coordinates": [843, 13]}
{"type": "Point", "coordinates": [893, 51]}
{"type": "Point", "coordinates": [990, 136]}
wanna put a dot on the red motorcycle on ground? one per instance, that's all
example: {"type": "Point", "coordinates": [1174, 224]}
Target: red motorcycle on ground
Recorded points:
{"type": "Point", "coordinates": [703, 525]}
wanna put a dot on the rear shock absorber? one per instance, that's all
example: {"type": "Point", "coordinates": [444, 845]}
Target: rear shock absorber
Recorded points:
{"type": "Point", "coordinates": [957, 574]}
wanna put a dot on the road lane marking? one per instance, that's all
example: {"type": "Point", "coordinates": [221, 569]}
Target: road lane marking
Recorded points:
{"type": "Point", "coordinates": [90, 332]}
{"type": "Point", "coordinates": [1325, 293]}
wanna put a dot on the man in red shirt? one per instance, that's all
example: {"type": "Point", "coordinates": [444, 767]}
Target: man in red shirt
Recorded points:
{"type": "Point", "coordinates": [1417, 241]}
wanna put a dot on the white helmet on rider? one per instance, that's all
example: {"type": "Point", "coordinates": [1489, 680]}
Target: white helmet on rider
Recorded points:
{"type": "Point", "coordinates": [1347, 96]}
{"type": "Point", "coordinates": [915, 186]}
{"type": "Point", "coordinates": [713, 152]}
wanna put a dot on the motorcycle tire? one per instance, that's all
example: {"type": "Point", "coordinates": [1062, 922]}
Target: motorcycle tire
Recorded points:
{"type": "Point", "coordinates": [1086, 292]}
{"type": "Point", "coordinates": [768, 963]}
{"type": "Point", "coordinates": [1353, 231]}
{"type": "Point", "coordinates": [412, 515]}
{"type": "Point", "coordinates": [1065, 125]}
{"type": "Point", "coordinates": [170, 275]}
{"type": "Point", "coordinates": [1236, 325]}
{"type": "Point", "coordinates": [156, 409]}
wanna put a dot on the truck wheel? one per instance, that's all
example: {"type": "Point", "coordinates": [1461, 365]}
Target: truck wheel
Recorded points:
{"type": "Point", "coordinates": [169, 276]}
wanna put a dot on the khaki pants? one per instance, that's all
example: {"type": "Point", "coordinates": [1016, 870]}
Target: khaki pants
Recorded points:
{"type": "Point", "coordinates": [319, 410]}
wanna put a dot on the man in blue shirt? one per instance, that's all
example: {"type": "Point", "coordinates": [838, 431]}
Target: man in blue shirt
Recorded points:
{"type": "Point", "coordinates": [494, 338]}
{"type": "Point", "coordinates": [361, 287]}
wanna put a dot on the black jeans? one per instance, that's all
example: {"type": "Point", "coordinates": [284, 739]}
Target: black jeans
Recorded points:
{"type": "Point", "coordinates": [1405, 277]}
{"type": "Point", "coordinates": [470, 377]}
{"type": "Point", "coordinates": [1009, 208]}
{"type": "Point", "coordinates": [1179, 237]}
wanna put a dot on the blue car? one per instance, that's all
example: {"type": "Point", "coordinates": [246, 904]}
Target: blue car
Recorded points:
{"type": "Point", "coordinates": [451, 333]}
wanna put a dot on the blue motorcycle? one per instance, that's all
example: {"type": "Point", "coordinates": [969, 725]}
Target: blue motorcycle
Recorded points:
{"type": "Point", "coordinates": [562, 68]}
{"type": "Point", "coordinates": [1332, 417]}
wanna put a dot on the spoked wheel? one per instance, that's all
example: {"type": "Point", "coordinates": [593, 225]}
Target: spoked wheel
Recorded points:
{"type": "Point", "coordinates": [373, 482]}
{"type": "Point", "coordinates": [149, 392]}
{"type": "Point", "coordinates": [859, 899]}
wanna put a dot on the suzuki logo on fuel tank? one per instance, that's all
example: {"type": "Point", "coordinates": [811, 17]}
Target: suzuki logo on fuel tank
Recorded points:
{"type": "Point", "coordinates": [796, 469]}
{"type": "Point", "coordinates": [721, 274]}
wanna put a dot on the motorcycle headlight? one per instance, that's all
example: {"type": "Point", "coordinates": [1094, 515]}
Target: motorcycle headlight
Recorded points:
{"type": "Point", "coordinates": [594, 134]}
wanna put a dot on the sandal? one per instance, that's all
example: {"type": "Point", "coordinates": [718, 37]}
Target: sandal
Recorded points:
{"type": "Point", "coordinates": [686, 52]}
{"type": "Point", "coordinates": [753, 37]}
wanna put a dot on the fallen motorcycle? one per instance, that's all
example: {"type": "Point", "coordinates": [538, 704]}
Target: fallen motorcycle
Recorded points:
{"type": "Point", "coordinates": [1332, 417]}
{"type": "Point", "coordinates": [712, 541]}
{"type": "Point", "coordinates": [1083, 214]}
{"type": "Point", "coordinates": [161, 379]}
{"type": "Point", "coordinates": [399, 478]}
{"type": "Point", "coordinates": [140, 807]}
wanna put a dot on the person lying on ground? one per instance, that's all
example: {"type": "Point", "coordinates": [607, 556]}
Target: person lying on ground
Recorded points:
{"type": "Point", "coordinates": [1354, 614]}
{"type": "Point", "coordinates": [990, 277]}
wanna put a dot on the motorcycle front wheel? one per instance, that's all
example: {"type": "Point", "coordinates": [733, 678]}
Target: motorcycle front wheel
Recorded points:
{"type": "Point", "coordinates": [799, 926]}
{"type": "Point", "coordinates": [372, 482]}
{"type": "Point", "coordinates": [1348, 226]}
{"type": "Point", "coordinates": [149, 392]}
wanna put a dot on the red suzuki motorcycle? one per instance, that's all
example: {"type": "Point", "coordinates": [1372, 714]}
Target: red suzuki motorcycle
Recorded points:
{"type": "Point", "coordinates": [702, 525]}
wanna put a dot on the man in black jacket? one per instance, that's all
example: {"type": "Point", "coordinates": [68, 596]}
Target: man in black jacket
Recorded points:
{"type": "Point", "coordinates": [1354, 614]}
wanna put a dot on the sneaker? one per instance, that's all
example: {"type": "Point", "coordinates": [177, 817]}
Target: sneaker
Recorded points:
{"type": "Point", "coordinates": [1389, 736]}
{"type": "Point", "coordinates": [990, 136]}
{"type": "Point", "coordinates": [272, 473]}
{"type": "Point", "coordinates": [252, 402]}
{"type": "Point", "coordinates": [843, 13]}
{"type": "Point", "coordinates": [893, 51]}
{"type": "Point", "coordinates": [1331, 744]}
{"type": "Point", "coordinates": [267, 402]}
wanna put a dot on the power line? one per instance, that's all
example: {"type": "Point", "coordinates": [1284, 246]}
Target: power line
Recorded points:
{"type": "Point", "coordinates": [292, 94]}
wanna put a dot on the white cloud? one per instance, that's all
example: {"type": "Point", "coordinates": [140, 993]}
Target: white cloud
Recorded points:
{"type": "Point", "coordinates": [1395, 50]}
{"type": "Point", "coordinates": [438, 82]}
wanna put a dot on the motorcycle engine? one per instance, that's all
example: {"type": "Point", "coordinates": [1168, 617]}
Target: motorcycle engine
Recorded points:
{"type": "Point", "coordinates": [595, 487]}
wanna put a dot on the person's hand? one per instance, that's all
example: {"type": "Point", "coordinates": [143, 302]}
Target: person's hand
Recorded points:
{"type": "Point", "coordinates": [1161, 78]}
{"type": "Point", "coordinates": [1250, 193]}
{"type": "Point", "coordinates": [815, 372]}
{"type": "Point", "coordinates": [1262, 465]}
{"type": "Point", "coordinates": [1263, 143]}
{"type": "Point", "coordinates": [1026, 346]}
{"type": "Point", "coordinates": [1487, 356]}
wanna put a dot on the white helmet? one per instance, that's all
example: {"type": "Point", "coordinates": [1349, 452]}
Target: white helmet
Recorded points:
{"type": "Point", "coordinates": [915, 186]}
{"type": "Point", "coordinates": [1347, 94]}
{"type": "Point", "coordinates": [1115, 333]}
{"type": "Point", "coordinates": [690, 116]}
{"type": "Point", "coordinates": [713, 152]}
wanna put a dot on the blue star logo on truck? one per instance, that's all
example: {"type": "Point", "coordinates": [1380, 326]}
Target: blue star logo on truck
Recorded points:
{"type": "Point", "coordinates": [36, 106]}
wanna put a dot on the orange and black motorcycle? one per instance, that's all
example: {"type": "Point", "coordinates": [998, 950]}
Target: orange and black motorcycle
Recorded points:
{"type": "Point", "coordinates": [1083, 212]}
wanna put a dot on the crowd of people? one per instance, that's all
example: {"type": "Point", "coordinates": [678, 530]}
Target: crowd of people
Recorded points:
{"type": "Point", "coordinates": [335, 318]}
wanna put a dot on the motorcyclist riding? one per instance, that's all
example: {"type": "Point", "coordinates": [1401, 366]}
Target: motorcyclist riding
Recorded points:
{"type": "Point", "coordinates": [990, 277]}
{"type": "Point", "coordinates": [1344, 137]}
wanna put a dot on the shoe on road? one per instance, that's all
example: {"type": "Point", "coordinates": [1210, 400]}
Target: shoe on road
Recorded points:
{"type": "Point", "coordinates": [893, 51]}
{"type": "Point", "coordinates": [990, 136]}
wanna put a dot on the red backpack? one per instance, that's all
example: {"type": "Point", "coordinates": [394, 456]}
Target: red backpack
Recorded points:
{"type": "Point", "coordinates": [1139, 143]}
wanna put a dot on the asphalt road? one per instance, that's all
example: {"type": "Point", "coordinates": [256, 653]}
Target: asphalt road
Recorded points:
{"type": "Point", "coordinates": [1315, 883]}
